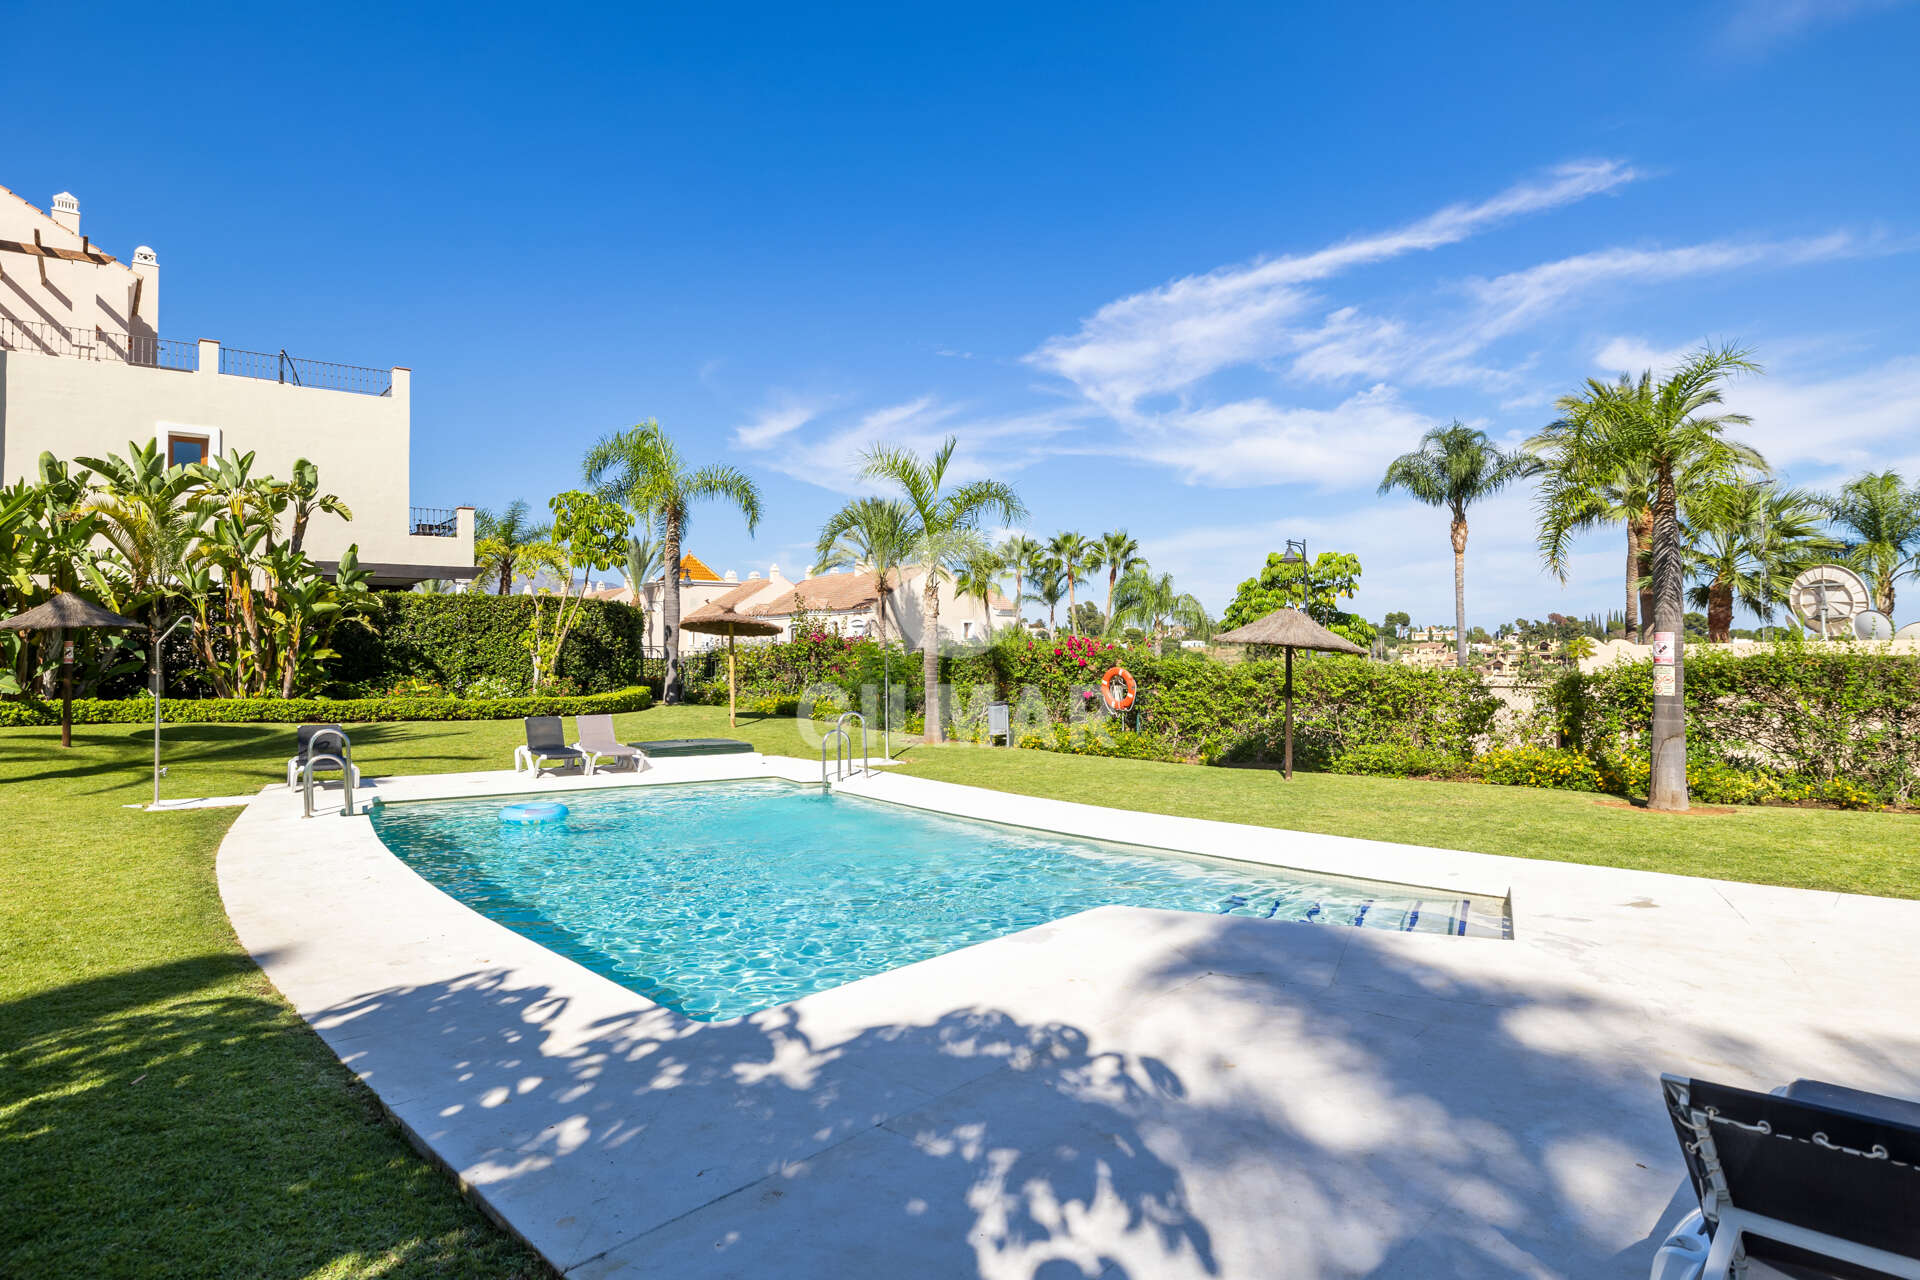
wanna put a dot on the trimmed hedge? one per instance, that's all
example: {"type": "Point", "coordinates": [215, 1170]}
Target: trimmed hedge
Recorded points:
{"type": "Point", "coordinates": [456, 641]}
{"type": "Point", "coordinates": [319, 710]}
{"type": "Point", "coordinates": [1817, 713]}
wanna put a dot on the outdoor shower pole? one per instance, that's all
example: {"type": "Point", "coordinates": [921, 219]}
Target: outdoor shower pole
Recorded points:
{"type": "Point", "coordinates": [156, 704]}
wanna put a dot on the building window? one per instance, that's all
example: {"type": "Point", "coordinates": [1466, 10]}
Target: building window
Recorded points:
{"type": "Point", "coordinates": [186, 450]}
{"type": "Point", "coordinates": [966, 631]}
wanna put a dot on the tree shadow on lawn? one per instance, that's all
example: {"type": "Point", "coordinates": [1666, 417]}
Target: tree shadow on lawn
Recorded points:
{"type": "Point", "coordinates": [179, 1121]}
{"type": "Point", "coordinates": [1241, 1118]}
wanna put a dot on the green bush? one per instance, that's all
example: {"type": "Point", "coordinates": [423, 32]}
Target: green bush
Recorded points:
{"type": "Point", "coordinates": [1819, 712]}
{"type": "Point", "coordinates": [1400, 760]}
{"type": "Point", "coordinates": [320, 710]}
{"type": "Point", "coordinates": [1119, 744]}
{"type": "Point", "coordinates": [1532, 766]}
{"type": "Point", "coordinates": [473, 641]}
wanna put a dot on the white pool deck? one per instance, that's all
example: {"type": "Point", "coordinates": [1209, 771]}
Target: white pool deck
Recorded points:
{"type": "Point", "coordinates": [1124, 1093]}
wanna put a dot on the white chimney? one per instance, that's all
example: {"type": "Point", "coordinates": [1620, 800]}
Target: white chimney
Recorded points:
{"type": "Point", "coordinates": [733, 575]}
{"type": "Point", "coordinates": [66, 211]}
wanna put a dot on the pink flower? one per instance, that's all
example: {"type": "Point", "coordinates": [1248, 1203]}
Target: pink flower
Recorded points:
{"type": "Point", "coordinates": [1083, 662]}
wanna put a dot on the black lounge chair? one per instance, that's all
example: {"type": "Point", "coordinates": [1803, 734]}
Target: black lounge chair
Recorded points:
{"type": "Point", "coordinates": [547, 740]}
{"type": "Point", "coordinates": [311, 740]}
{"type": "Point", "coordinates": [1816, 1181]}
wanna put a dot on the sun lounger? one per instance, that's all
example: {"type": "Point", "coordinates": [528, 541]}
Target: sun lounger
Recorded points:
{"type": "Point", "coordinates": [1813, 1180]}
{"type": "Point", "coordinates": [547, 740]}
{"type": "Point", "coordinates": [594, 735]}
{"type": "Point", "coordinates": [320, 740]}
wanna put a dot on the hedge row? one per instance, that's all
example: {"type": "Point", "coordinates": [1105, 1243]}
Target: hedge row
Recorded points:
{"type": "Point", "coordinates": [1825, 712]}
{"type": "Point", "coordinates": [319, 710]}
{"type": "Point", "coordinates": [458, 641]}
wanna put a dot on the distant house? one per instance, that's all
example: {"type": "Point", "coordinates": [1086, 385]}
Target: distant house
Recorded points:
{"type": "Point", "coordinates": [85, 369]}
{"type": "Point", "coordinates": [848, 604]}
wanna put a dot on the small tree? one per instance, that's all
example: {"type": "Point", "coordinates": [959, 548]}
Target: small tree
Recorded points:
{"type": "Point", "coordinates": [589, 532]}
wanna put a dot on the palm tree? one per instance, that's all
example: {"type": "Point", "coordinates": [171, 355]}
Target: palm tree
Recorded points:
{"type": "Point", "coordinates": [869, 535]}
{"type": "Point", "coordinates": [643, 468]}
{"type": "Point", "coordinates": [1118, 554]}
{"type": "Point", "coordinates": [1573, 502]}
{"type": "Point", "coordinates": [1745, 543]}
{"type": "Point", "coordinates": [1152, 601]}
{"type": "Point", "coordinates": [943, 526]}
{"type": "Point", "coordinates": [1671, 429]}
{"type": "Point", "coordinates": [1882, 518]}
{"type": "Point", "coordinates": [148, 520]}
{"type": "Point", "coordinates": [1048, 578]}
{"type": "Point", "coordinates": [1019, 554]}
{"type": "Point", "coordinates": [979, 573]}
{"type": "Point", "coordinates": [501, 540]}
{"type": "Point", "coordinates": [1074, 553]}
{"type": "Point", "coordinates": [641, 563]}
{"type": "Point", "coordinates": [1454, 467]}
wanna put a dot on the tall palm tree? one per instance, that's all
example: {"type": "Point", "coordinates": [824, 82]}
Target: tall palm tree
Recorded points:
{"type": "Point", "coordinates": [643, 468]}
{"type": "Point", "coordinates": [1019, 554]}
{"type": "Point", "coordinates": [1674, 429]}
{"type": "Point", "coordinates": [943, 526]}
{"type": "Point", "coordinates": [1744, 544]}
{"type": "Point", "coordinates": [1074, 553]}
{"type": "Point", "coordinates": [502, 539]}
{"type": "Point", "coordinates": [1118, 554]}
{"type": "Point", "coordinates": [979, 574]}
{"type": "Point", "coordinates": [1881, 518]}
{"type": "Point", "coordinates": [1152, 601]}
{"type": "Point", "coordinates": [642, 561]}
{"type": "Point", "coordinates": [1454, 467]}
{"type": "Point", "coordinates": [1048, 578]}
{"type": "Point", "coordinates": [1577, 502]}
{"type": "Point", "coordinates": [869, 535]}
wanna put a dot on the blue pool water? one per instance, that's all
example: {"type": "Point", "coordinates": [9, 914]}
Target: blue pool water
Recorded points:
{"type": "Point", "coordinates": [721, 899]}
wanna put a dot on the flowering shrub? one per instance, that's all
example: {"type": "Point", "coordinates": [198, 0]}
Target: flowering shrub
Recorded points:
{"type": "Point", "coordinates": [1531, 766]}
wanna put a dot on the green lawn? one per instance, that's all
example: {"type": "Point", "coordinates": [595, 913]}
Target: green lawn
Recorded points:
{"type": "Point", "coordinates": [1805, 848]}
{"type": "Point", "coordinates": [163, 1113]}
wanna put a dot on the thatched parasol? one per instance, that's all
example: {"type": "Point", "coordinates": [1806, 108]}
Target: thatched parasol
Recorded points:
{"type": "Point", "coordinates": [713, 621]}
{"type": "Point", "coordinates": [65, 612]}
{"type": "Point", "coordinates": [1290, 629]}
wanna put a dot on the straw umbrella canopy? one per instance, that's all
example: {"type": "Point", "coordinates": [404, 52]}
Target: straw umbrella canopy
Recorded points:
{"type": "Point", "coordinates": [65, 612]}
{"type": "Point", "coordinates": [715, 621]}
{"type": "Point", "coordinates": [1290, 629]}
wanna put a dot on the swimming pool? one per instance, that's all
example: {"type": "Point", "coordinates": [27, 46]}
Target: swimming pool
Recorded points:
{"type": "Point", "coordinates": [722, 899]}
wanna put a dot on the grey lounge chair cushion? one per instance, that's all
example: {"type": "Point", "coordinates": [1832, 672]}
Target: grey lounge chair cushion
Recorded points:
{"type": "Point", "coordinates": [320, 739]}
{"type": "Point", "coordinates": [546, 736]}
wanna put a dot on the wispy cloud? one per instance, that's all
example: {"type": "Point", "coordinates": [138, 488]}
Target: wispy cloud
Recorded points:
{"type": "Point", "coordinates": [1755, 26]}
{"type": "Point", "coordinates": [1170, 337]}
{"type": "Point", "coordinates": [782, 416]}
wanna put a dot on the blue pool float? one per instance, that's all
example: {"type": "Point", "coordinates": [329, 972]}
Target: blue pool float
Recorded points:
{"type": "Point", "coordinates": [534, 811]}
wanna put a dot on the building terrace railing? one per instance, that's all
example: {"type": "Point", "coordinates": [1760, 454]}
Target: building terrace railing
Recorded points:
{"type": "Point", "coordinates": [278, 366]}
{"type": "Point", "coordinates": [79, 344]}
{"type": "Point", "coordinates": [435, 522]}
{"type": "Point", "coordinates": [148, 351]}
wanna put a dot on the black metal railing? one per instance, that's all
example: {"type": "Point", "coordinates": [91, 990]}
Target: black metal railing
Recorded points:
{"type": "Point", "coordinates": [278, 366]}
{"type": "Point", "coordinates": [143, 349]}
{"type": "Point", "coordinates": [435, 522]}
{"type": "Point", "coordinates": [152, 352]}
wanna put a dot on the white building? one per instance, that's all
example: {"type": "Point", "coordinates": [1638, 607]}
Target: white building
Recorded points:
{"type": "Point", "coordinates": [86, 368]}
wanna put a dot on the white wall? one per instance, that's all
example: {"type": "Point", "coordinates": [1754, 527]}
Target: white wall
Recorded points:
{"type": "Point", "coordinates": [73, 407]}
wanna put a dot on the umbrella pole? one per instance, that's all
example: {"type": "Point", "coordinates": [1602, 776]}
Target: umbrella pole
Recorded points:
{"type": "Point", "coordinates": [66, 688]}
{"type": "Point", "coordinates": [730, 715]}
{"type": "Point", "coordinates": [1289, 759]}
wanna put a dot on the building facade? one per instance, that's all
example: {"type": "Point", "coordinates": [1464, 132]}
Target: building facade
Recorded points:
{"type": "Point", "coordinates": [86, 369]}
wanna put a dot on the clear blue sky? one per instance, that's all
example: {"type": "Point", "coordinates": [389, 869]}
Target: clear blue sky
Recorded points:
{"type": "Point", "coordinates": [1195, 270]}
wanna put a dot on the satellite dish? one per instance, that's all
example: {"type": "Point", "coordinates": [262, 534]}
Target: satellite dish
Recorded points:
{"type": "Point", "coordinates": [1909, 632]}
{"type": "Point", "coordinates": [1872, 625]}
{"type": "Point", "coordinates": [1827, 598]}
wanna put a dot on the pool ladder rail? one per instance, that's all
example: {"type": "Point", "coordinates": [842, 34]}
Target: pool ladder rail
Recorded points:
{"type": "Point", "coordinates": [842, 743]}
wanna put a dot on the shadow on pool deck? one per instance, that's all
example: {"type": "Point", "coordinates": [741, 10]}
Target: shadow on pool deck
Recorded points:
{"type": "Point", "coordinates": [1270, 1100]}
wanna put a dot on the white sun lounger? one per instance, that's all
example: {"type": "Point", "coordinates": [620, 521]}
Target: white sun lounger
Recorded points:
{"type": "Point", "coordinates": [594, 735]}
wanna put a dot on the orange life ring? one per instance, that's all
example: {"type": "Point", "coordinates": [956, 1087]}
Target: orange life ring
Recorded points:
{"type": "Point", "coordinates": [1107, 695]}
